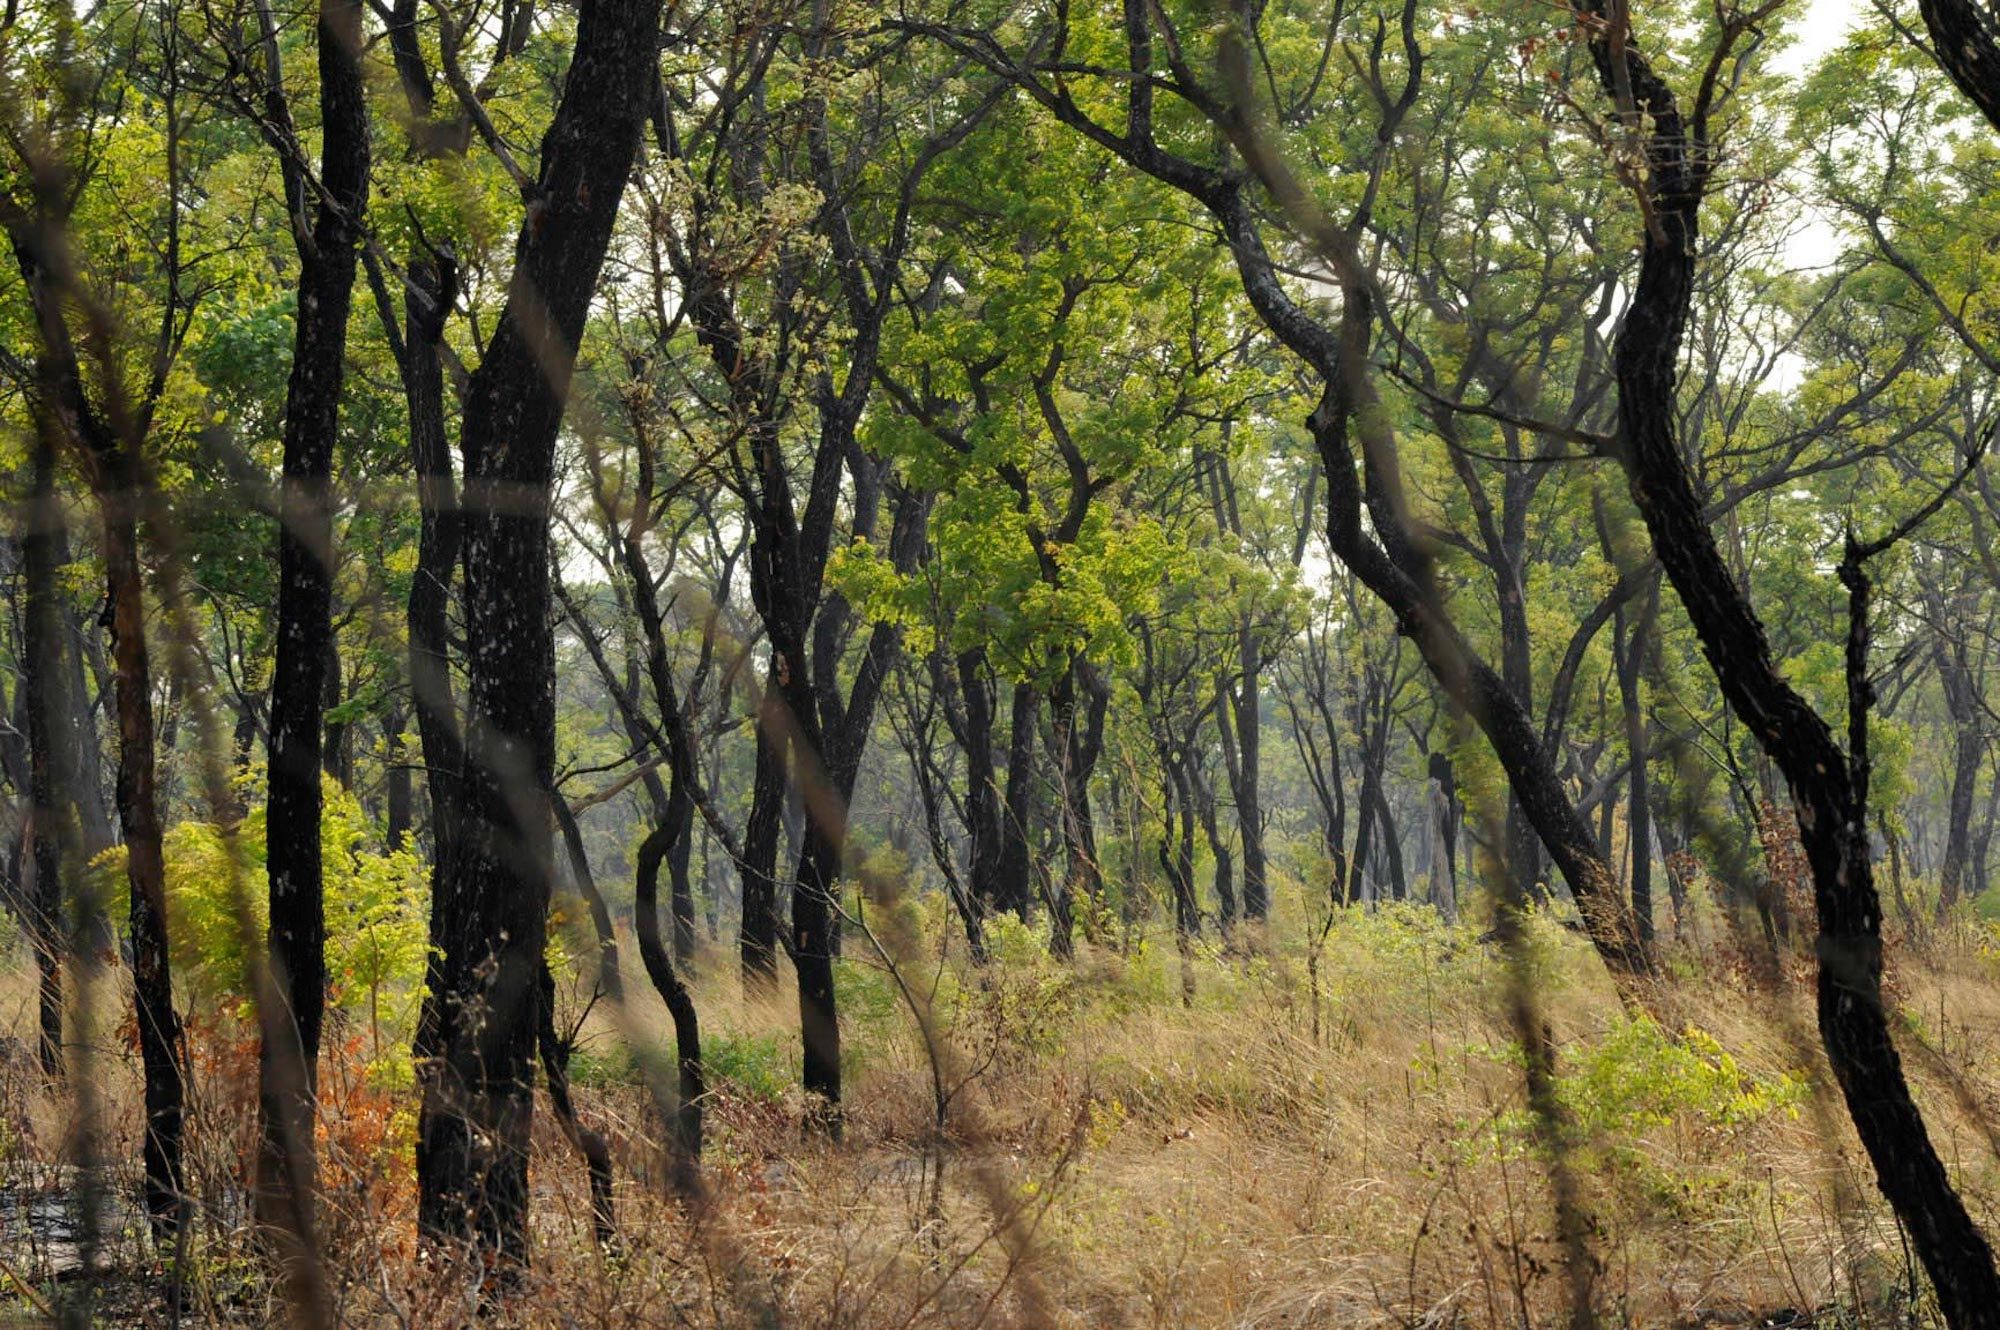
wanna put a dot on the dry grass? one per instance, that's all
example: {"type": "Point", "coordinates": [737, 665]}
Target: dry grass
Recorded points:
{"type": "Point", "coordinates": [1113, 1158]}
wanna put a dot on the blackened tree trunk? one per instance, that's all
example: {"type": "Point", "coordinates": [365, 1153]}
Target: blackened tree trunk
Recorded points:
{"type": "Point", "coordinates": [1218, 847]}
{"type": "Point", "coordinates": [1017, 817]}
{"type": "Point", "coordinates": [1240, 720]}
{"type": "Point", "coordinates": [1078, 739]}
{"type": "Point", "coordinates": [680, 1003]}
{"type": "Point", "coordinates": [335, 757]}
{"type": "Point", "coordinates": [679, 859]}
{"type": "Point", "coordinates": [1828, 785]}
{"type": "Point", "coordinates": [491, 923]}
{"type": "Point", "coordinates": [1392, 843]}
{"type": "Point", "coordinates": [1965, 41]}
{"type": "Point", "coordinates": [119, 478]}
{"type": "Point", "coordinates": [1450, 813]}
{"type": "Point", "coordinates": [399, 794]}
{"type": "Point", "coordinates": [1177, 843]}
{"type": "Point", "coordinates": [759, 924]}
{"type": "Point", "coordinates": [288, 1056]}
{"type": "Point", "coordinates": [972, 723]}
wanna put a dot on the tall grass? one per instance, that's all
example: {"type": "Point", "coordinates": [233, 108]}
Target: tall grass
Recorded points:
{"type": "Point", "coordinates": [1347, 1149]}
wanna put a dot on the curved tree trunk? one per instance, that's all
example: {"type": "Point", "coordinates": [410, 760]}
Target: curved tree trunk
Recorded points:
{"type": "Point", "coordinates": [1828, 786]}
{"type": "Point", "coordinates": [680, 1004]}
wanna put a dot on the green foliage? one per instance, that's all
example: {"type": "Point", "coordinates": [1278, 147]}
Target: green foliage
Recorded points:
{"type": "Point", "coordinates": [758, 1066]}
{"type": "Point", "coordinates": [376, 910]}
{"type": "Point", "coordinates": [1638, 1080]}
{"type": "Point", "coordinates": [1639, 1077]}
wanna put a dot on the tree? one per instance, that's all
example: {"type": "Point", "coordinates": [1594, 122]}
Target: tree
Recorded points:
{"type": "Point", "coordinates": [490, 918]}
{"type": "Point", "coordinates": [104, 414]}
{"type": "Point", "coordinates": [335, 196]}
{"type": "Point", "coordinates": [1829, 785]}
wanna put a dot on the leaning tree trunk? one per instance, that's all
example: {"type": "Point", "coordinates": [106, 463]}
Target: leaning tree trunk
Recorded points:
{"type": "Point", "coordinates": [1828, 785]}
{"type": "Point", "coordinates": [288, 1055]}
{"type": "Point", "coordinates": [491, 923]}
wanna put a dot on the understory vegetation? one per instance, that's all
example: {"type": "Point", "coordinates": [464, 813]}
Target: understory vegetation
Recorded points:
{"type": "Point", "coordinates": [1275, 1152]}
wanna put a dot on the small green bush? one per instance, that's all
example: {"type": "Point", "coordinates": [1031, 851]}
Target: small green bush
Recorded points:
{"type": "Point", "coordinates": [376, 910]}
{"type": "Point", "coordinates": [754, 1065]}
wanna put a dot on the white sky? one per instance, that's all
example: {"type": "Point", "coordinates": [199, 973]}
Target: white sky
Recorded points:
{"type": "Point", "coordinates": [1817, 28]}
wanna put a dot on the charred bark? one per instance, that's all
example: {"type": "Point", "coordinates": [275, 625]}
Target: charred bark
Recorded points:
{"type": "Point", "coordinates": [680, 1005]}
{"type": "Point", "coordinates": [288, 1056]}
{"type": "Point", "coordinates": [1828, 785]}
{"type": "Point", "coordinates": [491, 918]}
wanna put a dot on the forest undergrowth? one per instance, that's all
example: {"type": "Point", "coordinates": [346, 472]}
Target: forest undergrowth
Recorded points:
{"type": "Point", "coordinates": [1318, 1136]}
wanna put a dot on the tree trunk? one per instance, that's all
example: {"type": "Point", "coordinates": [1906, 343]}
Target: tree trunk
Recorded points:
{"type": "Point", "coordinates": [1445, 780]}
{"type": "Point", "coordinates": [399, 796]}
{"type": "Point", "coordinates": [139, 822]}
{"type": "Point", "coordinates": [985, 834]}
{"type": "Point", "coordinates": [1225, 872]}
{"type": "Point", "coordinates": [1246, 704]}
{"type": "Point", "coordinates": [53, 825]}
{"type": "Point", "coordinates": [1828, 786]}
{"type": "Point", "coordinates": [491, 920]}
{"type": "Point", "coordinates": [288, 1055]}
{"type": "Point", "coordinates": [1017, 816]}
{"type": "Point", "coordinates": [1629, 653]}
{"type": "Point", "coordinates": [759, 924]}
{"type": "Point", "coordinates": [1392, 845]}
{"type": "Point", "coordinates": [1078, 740]}
{"type": "Point", "coordinates": [680, 1004]}
{"type": "Point", "coordinates": [1968, 748]}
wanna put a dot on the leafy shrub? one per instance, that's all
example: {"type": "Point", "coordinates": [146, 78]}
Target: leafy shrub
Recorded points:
{"type": "Point", "coordinates": [1640, 1077]}
{"type": "Point", "coordinates": [758, 1066]}
{"type": "Point", "coordinates": [376, 907]}
{"type": "Point", "coordinates": [599, 1064]}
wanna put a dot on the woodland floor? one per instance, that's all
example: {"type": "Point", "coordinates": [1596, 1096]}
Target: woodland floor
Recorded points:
{"type": "Point", "coordinates": [1283, 1151]}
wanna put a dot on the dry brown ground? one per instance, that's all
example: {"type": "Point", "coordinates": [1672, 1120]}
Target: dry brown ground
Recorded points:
{"type": "Point", "coordinates": [1346, 1151]}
